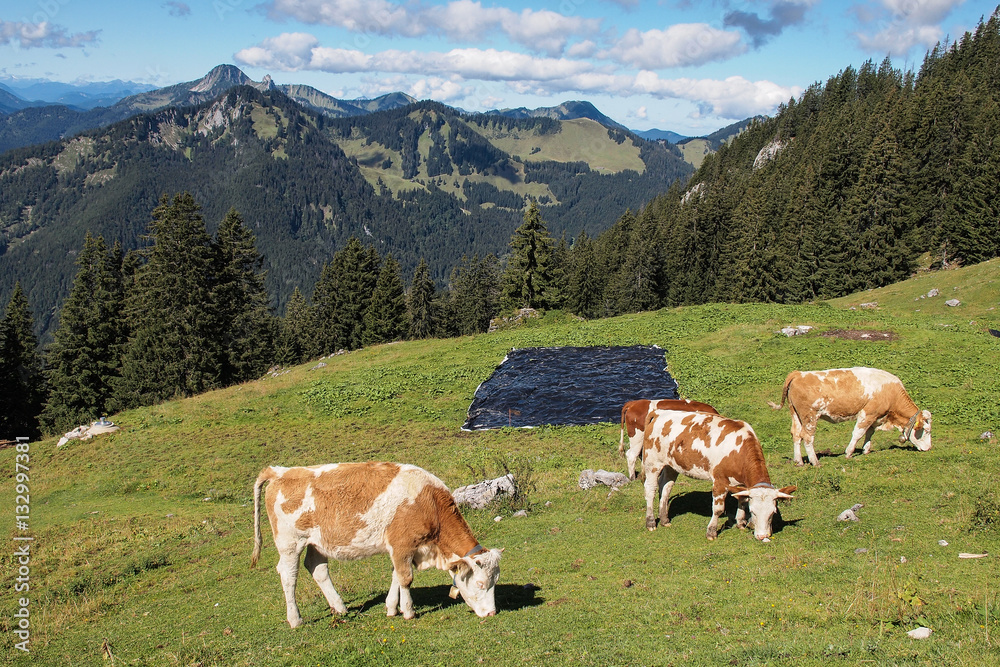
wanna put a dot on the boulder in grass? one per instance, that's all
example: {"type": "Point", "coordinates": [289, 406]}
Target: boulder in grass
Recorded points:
{"type": "Point", "coordinates": [482, 494]}
{"type": "Point", "coordinates": [591, 478]}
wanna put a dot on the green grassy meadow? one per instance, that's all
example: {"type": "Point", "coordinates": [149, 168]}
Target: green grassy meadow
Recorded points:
{"type": "Point", "coordinates": [143, 538]}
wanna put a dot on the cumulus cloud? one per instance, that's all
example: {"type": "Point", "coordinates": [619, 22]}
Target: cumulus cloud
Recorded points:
{"type": "Point", "coordinates": [781, 14]}
{"type": "Point", "coordinates": [897, 26]}
{"type": "Point", "coordinates": [42, 35]}
{"type": "Point", "coordinates": [542, 31]}
{"type": "Point", "coordinates": [680, 45]}
{"type": "Point", "coordinates": [464, 73]}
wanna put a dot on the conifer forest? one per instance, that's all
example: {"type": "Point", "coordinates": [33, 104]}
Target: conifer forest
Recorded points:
{"type": "Point", "coordinates": [855, 184]}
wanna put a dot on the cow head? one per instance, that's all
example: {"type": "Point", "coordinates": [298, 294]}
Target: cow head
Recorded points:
{"type": "Point", "coordinates": [476, 578]}
{"type": "Point", "coordinates": [763, 502]}
{"type": "Point", "coordinates": [918, 430]}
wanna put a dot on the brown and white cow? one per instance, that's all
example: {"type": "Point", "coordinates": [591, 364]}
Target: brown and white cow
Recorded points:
{"type": "Point", "coordinates": [634, 423]}
{"type": "Point", "coordinates": [705, 446]}
{"type": "Point", "coordinates": [875, 398]}
{"type": "Point", "coordinates": [348, 511]}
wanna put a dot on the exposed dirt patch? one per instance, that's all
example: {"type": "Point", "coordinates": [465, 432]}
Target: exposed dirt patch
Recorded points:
{"type": "Point", "coordinates": [860, 334]}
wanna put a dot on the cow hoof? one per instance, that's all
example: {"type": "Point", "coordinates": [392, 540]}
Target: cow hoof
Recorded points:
{"type": "Point", "coordinates": [799, 463]}
{"type": "Point", "coordinates": [711, 538]}
{"type": "Point", "coordinates": [295, 623]}
{"type": "Point", "coordinates": [391, 612]}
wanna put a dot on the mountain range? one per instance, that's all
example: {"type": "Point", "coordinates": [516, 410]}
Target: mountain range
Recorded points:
{"type": "Point", "coordinates": [307, 171]}
{"type": "Point", "coordinates": [38, 111]}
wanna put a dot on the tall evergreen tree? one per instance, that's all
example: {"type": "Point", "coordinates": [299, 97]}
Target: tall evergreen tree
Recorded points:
{"type": "Point", "coordinates": [246, 327]}
{"type": "Point", "coordinates": [22, 390]}
{"type": "Point", "coordinates": [342, 295]}
{"type": "Point", "coordinates": [173, 348]}
{"type": "Point", "coordinates": [527, 280]}
{"type": "Point", "coordinates": [584, 285]}
{"type": "Point", "coordinates": [385, 317]}
{"type": "Point", "coordinates": [420, 303]}
{"type": "Point", "coordinates": [295, 331]}
{"type": "Point", "coordinates": [85, 358]}
{"type": "Point", "coordinates": [473, 296]}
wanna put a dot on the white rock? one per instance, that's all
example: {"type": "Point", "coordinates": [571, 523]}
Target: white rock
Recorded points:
{"type": "Point", "coordinates": [942, 543]}
{"type": "Point", "coordinates": [920, 633]}
{"type": "Point", "coordinates": [953, 302]}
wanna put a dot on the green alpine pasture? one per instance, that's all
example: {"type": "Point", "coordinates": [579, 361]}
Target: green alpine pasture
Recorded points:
{"type": "Point", "coordinates": [143, 538]}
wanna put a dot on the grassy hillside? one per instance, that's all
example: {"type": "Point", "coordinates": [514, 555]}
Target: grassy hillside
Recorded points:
{"type": "Point", "coordinates": [143, 538]}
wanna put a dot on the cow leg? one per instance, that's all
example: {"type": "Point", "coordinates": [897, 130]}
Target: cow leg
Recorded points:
{"type": "Point", "coordinates": [742, 511]}
{"type": "Point", "coordinates": [804, 431]}
{"type": "Point", "coordinates": [868, 439]}
{"type": "Point", "coordinates": [863, 430]}
{"type": "Point", "coordinates": [634, 452]}
{"type": "Point", "coordinates": [797, 434]}
{"type": "Point", "coordinates": [319, 568]}
{"type": "Point", "coordinates": [399, 592]}
{"type": "Point", "coordinates": [718, 508]}
{"type": "Point", "coordinates": [650, 484]}
{"type": "Point", "coordinates": [288, 570]}
{"type": "Point", "coordinates": [669, 477]}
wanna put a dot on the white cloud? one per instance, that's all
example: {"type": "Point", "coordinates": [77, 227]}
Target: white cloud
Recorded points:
{"type": "Point", "coordinates": [464, 73]}
{"type": "Point", "coordinates": [42, 35]}
{"type": "Point", "coordinates": [680, 45]}
{"type": "Point", "coordinates": [368, 16]}
{"type": "Point", "coordinates": [898, 26]}
{"type": "Point", "coordinates": [542, 31]}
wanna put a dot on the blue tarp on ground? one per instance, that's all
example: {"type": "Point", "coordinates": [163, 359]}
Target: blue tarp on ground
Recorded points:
{"type": "Point", "coordinates": [535, 386]}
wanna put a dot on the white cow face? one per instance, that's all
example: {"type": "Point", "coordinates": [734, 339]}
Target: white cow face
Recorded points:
{"type": "Point", "coordinates": [920, 435]}
{"type": "Point", "coordinates": [476, 579]}
{"type": "Point", "coordinates": [763, 502]}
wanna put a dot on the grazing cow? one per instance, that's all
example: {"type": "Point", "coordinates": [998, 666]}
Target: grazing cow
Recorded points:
{"type": "Point", "coordinates": [348, 511]}
{"type": "Point", "coordinates": [634, 423]}
{"type": "Point", "coordinates": [706, 446]}
{"type": "Point", "coordinates": [874, 397]}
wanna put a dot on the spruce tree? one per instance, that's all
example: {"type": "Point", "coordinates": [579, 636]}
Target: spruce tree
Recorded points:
{"type": "Point", "coordinates": [342, 294]}
{"type": "Point", "coordinates": [173, 347]}
{"type": "Point", "coordinates": [22, 390]}
{"type": "Point", "coordinates": [527, 279]}
{"type": "Point", "coordinates": [584, 286]}
{"type": "Point", "coordinates": [245, 322]}
{"type": "Point", "coordinates": [385, 317]}
{"type": "Point", "coordinates": [295, 331]}
{"type": "Point", "coordinates": [85, 358]}
{"type": "Point", "coordinates": [473, 296]}
{"type": "Point", "coordinates": [420, 303]}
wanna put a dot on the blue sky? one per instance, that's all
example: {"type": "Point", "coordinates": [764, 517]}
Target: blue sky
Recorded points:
{"type": "Point", "coordinates": [683, 65]}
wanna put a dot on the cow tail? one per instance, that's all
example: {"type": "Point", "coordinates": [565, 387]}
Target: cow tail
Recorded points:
{"type": "Point", "coordinates": [784, 394]}
{"type": "Point", "coordinates": [621, 441]}
{"type": "Point", "coordinates": [265, 475]}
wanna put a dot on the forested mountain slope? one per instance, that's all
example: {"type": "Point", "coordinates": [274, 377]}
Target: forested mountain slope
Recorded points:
{"type": "Point", "coordinates": [417, 181]}
{"type": "Point", "coordinates": [854, 185]}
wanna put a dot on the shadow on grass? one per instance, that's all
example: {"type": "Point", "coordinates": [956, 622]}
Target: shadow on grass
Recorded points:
{"type": "Point", "coordinates": [700, 503]}
{"type": "Point", "coordinates": [429, 599]}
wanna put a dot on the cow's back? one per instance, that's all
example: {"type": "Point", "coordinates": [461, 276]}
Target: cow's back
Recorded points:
{"type": "Point", "coordinates": [838, 392]}
{"type": "Point", "coordinates": [346, 509]}
{"type": "Point", "coordinates": [693, 443]}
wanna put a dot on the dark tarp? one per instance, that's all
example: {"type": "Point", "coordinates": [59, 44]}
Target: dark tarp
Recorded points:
{"type": "Point", "coordinates": [535, 386]}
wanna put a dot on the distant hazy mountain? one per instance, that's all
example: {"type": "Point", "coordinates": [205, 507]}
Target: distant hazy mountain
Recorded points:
{"type": "Point", "coordinates": [565, 111]}
{"type": "Point", "coordinates": [661, 135]}
{"type": "Point", "coordinates": [80, 95]}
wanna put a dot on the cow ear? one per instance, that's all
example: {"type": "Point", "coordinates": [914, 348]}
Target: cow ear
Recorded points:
{"type": "Point", "coordinates": [786, 492]}
{"type": "Point", "coordinates": [454, 563]}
